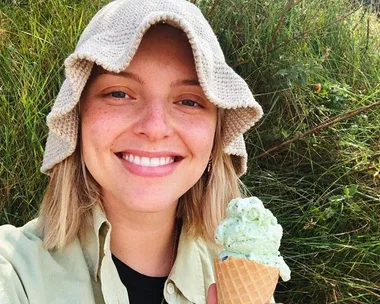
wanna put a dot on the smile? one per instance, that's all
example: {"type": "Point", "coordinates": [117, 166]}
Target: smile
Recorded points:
{"type": "Point", "coordinates": [147, 161]}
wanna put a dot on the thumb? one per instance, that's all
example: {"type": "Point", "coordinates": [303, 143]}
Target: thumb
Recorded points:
{"type": "Point", "coordinates": [211, 295]}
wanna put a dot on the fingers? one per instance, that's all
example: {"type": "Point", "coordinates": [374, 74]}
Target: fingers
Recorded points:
{"type": "Point", "coordinates": [211, 295]}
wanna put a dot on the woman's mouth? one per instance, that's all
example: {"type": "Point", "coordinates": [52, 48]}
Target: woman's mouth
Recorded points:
{"type": "Point", "coordinates": [149, 164]}
{"type": "Point", "coordinates": [148, 161]}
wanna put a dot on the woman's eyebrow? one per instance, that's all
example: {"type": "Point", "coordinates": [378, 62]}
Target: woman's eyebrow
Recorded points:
{"type": "Point", "coordinates": [124, 74]}
{"type": "Point", "coordinates": [189, 82]}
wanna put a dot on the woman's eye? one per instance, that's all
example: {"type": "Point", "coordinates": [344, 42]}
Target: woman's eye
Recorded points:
{"type": "Point", "coordinates": [189, 103]}
{"type": "Point", "coordinates": [119, 94]}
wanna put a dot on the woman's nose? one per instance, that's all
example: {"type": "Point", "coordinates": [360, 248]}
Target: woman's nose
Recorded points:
{"type": "Point", "coordinates": [154, 121]}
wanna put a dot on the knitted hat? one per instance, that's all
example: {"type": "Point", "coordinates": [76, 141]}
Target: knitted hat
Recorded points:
{"type": "Point", "coordinates": [111, 39]}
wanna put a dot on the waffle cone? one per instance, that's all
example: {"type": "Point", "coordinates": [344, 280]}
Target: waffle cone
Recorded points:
{"type": "Point", "coordinates": [240, 281]}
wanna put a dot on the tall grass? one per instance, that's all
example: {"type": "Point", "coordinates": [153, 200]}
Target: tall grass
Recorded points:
{"type": "Point", "coordinates": [307, 62]}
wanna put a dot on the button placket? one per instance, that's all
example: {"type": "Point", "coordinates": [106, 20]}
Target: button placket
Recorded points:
{"type": "Point", "coordinates": [170, 288]}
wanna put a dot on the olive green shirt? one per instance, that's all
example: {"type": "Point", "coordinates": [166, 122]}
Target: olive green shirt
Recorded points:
{"type": "Point", "coordinates": [84, 271]}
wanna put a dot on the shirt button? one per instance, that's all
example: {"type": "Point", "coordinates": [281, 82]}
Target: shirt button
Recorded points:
{"type": "Point", "coordinates": [170, 288]}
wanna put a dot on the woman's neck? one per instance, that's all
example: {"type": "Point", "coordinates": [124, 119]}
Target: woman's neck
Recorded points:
{"type": "Point", "coordinates": [145, 242]}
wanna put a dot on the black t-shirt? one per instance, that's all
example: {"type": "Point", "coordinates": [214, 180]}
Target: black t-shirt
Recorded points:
{"type": "Point", "coordinates": [141, 288]}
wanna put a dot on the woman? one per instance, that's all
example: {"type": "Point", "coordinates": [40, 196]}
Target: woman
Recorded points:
{"type": "Point", "coordinates": [145, 148]}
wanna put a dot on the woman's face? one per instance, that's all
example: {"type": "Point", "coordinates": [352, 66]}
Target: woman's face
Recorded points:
{"type": "Point", "coordinates": [147, 133]}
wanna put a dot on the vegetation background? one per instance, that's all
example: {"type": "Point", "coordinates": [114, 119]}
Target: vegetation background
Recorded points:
{"type": "Point", "coordinates": [314, 157]}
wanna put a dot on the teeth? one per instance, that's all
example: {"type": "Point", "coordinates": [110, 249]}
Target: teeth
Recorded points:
{"type": "Point", "coordinates": [148, 162]}
{"type": "Point", "coordinates": [154, 162]}
{"type": "Point", "coordinates": [145, 162]}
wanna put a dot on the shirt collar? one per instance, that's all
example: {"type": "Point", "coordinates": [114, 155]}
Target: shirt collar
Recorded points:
{"type": "Point", "coordinates": [190, 268]}
{"type": "Point", "coordinates": [191, 258]}
{"type": "Point", "coordinates": [93, 244]}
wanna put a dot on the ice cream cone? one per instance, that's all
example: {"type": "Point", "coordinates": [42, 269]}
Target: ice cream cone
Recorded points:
{"type": "Point", "coordinates": [240, 281]}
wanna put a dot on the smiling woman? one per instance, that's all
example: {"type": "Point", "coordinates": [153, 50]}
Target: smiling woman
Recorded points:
{"type": "Point", "coordinates": [154, 111]}
{"type": "Point", "coordinates": [145, 149]}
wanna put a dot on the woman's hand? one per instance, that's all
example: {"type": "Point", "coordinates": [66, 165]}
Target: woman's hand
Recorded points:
{"type": "Point", "coordinates": [211, 295]}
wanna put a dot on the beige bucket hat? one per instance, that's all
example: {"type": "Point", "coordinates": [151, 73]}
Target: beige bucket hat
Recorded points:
{"type": "Point", "coordinates": [111, 40]}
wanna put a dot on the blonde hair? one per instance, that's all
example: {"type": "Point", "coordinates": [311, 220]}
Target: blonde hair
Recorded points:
{"type": "Point", "coordinates": [66, 209]}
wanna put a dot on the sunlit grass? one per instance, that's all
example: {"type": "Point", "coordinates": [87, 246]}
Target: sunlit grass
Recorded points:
{"type": "Point", "coordinates": [324, 188]}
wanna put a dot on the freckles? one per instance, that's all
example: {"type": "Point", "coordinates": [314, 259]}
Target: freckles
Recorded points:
{"type": "Point", "coordinates": [98, 123]}
{"type": "Point", "coordinates": [205, 129]}
{"type": "Point", "coordinates": [201, 137]}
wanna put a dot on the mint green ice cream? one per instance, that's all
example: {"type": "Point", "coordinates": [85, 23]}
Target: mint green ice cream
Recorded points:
{"type": "Point", "coordinates": [251, 231]}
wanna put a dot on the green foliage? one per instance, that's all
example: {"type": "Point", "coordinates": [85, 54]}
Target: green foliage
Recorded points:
{"type": "Point", "coordinates": [306, 61]}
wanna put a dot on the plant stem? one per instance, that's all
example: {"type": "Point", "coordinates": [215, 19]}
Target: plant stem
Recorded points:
{"type": "Point", "coordinates": [321, 126]}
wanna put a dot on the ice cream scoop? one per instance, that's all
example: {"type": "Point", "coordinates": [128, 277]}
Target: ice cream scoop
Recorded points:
{"type": "Point", "coordinates": [251, 232]}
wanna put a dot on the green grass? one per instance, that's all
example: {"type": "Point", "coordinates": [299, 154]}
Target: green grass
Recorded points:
{"type": "Point", "coordinates": [324, 187]}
